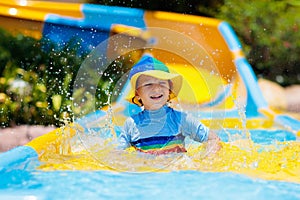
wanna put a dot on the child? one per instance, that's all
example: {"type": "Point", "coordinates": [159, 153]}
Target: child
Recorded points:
{"type": "Point", "coordinates": [159, 129]}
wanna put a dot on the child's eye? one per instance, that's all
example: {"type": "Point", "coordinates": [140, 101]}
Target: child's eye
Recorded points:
{"type": "Point", "coordinates": [148, 84]}
{"type": "Point", "coordinates": [163, 83]}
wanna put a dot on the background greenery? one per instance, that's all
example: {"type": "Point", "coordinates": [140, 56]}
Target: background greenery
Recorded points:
{"type": "Point", "coordinates": [36, 86]}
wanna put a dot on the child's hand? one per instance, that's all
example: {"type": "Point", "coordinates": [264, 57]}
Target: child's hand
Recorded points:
{"type": "Point", "coordinates": [213, 144]}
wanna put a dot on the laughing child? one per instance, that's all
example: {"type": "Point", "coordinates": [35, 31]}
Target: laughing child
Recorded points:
{"type": "Point", "coordinates": [158, 128]}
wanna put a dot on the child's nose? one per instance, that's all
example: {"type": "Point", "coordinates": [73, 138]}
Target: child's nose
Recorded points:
{"type": "Point", "coordinates": [157, 86]}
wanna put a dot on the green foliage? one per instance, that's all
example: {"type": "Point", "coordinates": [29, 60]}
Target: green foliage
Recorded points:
{"type": "Point", "coordinates": [269, 31]}
{"type": "Point", "coordinates": [32, 80]}
{"type": "Point", "coordinates": [36, 85]}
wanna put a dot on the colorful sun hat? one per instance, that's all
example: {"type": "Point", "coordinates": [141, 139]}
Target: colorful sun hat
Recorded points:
{"type": "Point", "coordinates": [150, 66]}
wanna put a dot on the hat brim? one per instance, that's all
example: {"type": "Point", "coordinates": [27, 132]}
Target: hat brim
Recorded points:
{"type": "Point", "coordinates": [176, 80]}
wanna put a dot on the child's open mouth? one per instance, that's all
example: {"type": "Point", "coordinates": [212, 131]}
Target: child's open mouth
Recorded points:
{"type": "Point", "coordinates": [156, 96]}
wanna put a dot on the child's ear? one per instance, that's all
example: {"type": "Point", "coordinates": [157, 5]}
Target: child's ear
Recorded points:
{"type": "Point", "coordinates": [137, 95]}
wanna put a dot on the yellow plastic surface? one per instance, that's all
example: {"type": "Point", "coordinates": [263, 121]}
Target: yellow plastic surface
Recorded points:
{"type": "Point", "coordinates": [280, 162]}
{"type": "Point", "coordinates": [203, 31]}
{"type": "Point", "coordinates": [27, 17]}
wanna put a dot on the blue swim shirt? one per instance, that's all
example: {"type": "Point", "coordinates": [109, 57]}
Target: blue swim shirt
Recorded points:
{"type": "Point", "coordinates": [161, 131]}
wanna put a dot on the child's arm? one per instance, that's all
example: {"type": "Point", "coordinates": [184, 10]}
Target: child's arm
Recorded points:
{"type": "Point", "coordinates": [193, 128]}
{"type": "Point", "coordinates": [124, 138]}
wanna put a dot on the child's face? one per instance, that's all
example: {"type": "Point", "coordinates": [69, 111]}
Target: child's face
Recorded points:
{"type": "Point", "coordinates": [153, 92]}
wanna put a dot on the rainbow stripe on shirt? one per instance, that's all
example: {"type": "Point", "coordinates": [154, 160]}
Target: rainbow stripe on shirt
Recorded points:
{"type": "Point", "coordinates": [160, 144]}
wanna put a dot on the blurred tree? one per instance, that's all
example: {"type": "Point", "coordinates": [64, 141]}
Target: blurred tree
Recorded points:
{"type": "Point", "coordinates": [36, 86]}
{"type": "Point", "coordinates": [269, 31]}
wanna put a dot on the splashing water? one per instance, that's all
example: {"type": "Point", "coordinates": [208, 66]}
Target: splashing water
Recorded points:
{"type": "Point", "coordinates": [273, 162]}
{"type": "Point", "coordinates": [95, 149]}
